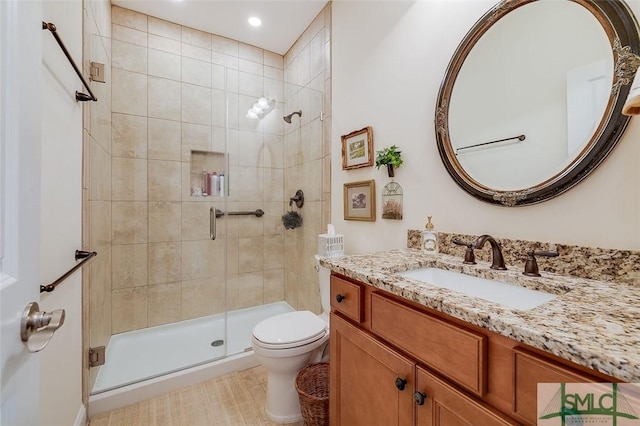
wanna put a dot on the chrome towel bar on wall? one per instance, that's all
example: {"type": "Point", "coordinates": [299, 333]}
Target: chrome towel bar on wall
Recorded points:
{"type": "Point", "coordinates": [83, 256]}
{"type": "Point", "coordinates": [81, 97]}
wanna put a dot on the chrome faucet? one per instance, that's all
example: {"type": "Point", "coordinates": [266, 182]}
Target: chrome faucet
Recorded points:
{"type": "Point", "coordinates": [496, 253]}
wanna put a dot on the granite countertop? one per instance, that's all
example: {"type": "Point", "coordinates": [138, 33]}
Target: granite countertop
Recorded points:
{"type": "Point", "coordinates": [592, 323]}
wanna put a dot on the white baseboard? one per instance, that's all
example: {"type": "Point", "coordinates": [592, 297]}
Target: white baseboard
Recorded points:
{"type": "Point", "coordinates": [81, 418]}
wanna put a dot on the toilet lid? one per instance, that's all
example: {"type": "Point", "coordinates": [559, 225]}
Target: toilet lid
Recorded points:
{"type": "Point", "coordinates": [291, 327]}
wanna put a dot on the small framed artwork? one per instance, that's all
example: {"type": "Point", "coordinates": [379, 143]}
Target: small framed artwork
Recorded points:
{"type": "Point", "coordinates": [357, 149]}
{"type": "Point", "coordinates": [360, 200]}
{"type": "Point", "coordinates": [392, 201]}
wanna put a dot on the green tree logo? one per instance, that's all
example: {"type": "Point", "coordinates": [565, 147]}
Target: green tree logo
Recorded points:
{"type": "Point", "coordinates": [575, 407]}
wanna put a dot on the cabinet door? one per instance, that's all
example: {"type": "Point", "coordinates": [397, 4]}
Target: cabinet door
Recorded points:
{"type": "Point", "coordinates": [446, 406]}
{"type": "Point", "coordinates": [365, 380]}
{"type": "Point", "coordinates": [531, 369]}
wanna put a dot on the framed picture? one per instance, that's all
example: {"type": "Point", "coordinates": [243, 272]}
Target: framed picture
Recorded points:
{"type": "Point", "coordinates": [360, 200]}
{"type": "Point", "coordinates": [357, 149]}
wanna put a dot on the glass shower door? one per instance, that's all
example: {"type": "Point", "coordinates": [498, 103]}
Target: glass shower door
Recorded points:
{"type": "Point", "coordinates": [270, 159]}
{"type": "Point", "coordinates": [253, 105]}
{"type": "Point", "coordinates": [157, 294]}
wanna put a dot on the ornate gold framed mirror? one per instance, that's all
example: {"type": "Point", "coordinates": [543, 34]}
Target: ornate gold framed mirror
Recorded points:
{"type": "Point", "coordinates": [531, 100]}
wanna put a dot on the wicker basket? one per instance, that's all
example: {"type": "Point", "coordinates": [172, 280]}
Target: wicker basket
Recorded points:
{"type": "Point", "coordinates": [312, 384]}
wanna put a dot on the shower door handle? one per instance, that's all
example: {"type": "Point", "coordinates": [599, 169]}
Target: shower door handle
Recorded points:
{"type": "Point", "coordinates": [212, 223]}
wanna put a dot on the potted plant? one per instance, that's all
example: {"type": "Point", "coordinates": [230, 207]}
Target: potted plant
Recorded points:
{"type": "Point", "coordinates": [391, 157]}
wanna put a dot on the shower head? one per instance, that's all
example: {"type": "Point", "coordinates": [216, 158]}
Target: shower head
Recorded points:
{"type": "Point", "coordinates": [287, 118]}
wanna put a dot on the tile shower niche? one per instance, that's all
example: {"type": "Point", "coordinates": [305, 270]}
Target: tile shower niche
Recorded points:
{"type": "Point", "coordinates": [208, 175]}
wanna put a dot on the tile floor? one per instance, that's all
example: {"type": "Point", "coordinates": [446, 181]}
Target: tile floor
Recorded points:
{"type": "Point", "coordinates": [232, 400]}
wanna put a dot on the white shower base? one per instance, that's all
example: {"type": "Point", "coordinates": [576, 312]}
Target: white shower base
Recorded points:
{"type": "Point", "coordinates": [145, 363]}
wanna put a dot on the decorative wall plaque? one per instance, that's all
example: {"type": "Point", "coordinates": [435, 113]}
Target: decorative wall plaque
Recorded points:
{"type": "Point", "coordinates": [392, 201]}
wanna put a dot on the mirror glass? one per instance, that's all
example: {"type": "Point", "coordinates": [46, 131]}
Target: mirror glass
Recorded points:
{"type": "Point", "coordinates": [530, 98]}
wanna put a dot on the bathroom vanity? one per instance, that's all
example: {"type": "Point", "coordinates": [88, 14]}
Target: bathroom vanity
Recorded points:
{"type": "Point", "coordinates": [405, 353]}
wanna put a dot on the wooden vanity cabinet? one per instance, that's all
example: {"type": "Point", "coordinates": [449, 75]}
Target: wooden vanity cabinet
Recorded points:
{"type": "Point", "coordinates": [394, 362]}
{"type": "Point", "coordinates": [371, 384]}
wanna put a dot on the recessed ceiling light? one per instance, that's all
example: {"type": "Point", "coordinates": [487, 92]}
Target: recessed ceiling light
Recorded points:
{"type": "Point", "coordinates": [255, 21]}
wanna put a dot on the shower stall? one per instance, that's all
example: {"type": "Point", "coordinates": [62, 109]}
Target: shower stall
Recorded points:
{"type": "Point", "coordinates": [184, 203]}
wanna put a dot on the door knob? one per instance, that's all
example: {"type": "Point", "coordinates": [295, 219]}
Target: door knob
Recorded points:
{"type": "Point", "coordinates": [37, 327]}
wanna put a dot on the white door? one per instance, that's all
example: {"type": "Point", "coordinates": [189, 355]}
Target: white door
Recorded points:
{"type": "Point", "coordinates": [588, 91]}
{"type": "Point", "coordinates": [20, 139]}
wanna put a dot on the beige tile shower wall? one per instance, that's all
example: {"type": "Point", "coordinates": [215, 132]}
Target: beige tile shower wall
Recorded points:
{"type": "Point", "coordinates": [96, 186]}
{"type": "Point", "coordinates": [307, 158]}
{"type": "Point", "coordinates": [169, 89]}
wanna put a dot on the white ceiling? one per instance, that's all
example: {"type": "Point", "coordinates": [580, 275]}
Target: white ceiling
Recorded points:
{"type": "Point", "coordinates": [283, 21]}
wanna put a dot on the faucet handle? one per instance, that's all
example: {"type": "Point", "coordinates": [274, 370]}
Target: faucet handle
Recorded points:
{"type": "Point", "coordinates": [469, 255]}
{"type": "Point", "coordinates": [531, 265]}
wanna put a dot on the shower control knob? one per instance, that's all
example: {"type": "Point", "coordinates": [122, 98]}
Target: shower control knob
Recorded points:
{"type": "Point", "coordinates": [339, 298]}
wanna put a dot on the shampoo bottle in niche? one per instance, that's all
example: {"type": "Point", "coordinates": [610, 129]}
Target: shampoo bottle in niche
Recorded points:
{"type": "Point", "coordinates": [206, 188]}
{"type": "Point", "coordinates": [215, 187]}
{"type": "Point", "coordinates": [221, 184]}
{"type": "Point", "coordinates": [429, 238]}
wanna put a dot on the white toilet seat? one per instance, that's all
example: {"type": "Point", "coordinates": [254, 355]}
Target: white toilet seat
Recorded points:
{"type": "Point", "coordinates": [289, 345]}
{"type": "Point", "coordinates": [289, 330]}
{"type": "Point", "coordinates": [284, 344]}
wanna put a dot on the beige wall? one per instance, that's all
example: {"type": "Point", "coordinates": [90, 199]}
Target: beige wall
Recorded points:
{"type": "Point", "coordinates": [388, 61]}
{"type": "Point", "coordinates": [307, 157]}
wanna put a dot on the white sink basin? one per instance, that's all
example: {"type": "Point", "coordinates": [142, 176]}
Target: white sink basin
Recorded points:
{"type": "Point", "coordinates": [509, 295]}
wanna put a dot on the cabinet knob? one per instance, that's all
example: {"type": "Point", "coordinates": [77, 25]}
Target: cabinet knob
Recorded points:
{"type": "Point", "coordinates": [419, 397]}
{"type": "Point", "coordinates": [401, 383]}
{"type": "Point", "coordinates": [339, 298]}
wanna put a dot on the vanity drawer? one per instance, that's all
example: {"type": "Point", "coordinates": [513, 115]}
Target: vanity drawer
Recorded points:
{"type": "Point", "coordinates": [347, 298]}
{"type": "Point", "coordinates": [531, 369]}
{"type": "Point", "coordinates": [453, 351]}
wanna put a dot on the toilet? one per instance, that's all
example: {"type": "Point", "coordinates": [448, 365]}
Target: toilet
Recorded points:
{"type": "Point", "coordinates": [284, 344]}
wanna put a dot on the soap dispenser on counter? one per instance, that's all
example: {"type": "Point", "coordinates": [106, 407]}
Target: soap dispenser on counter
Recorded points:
{"type": "Point", "coordinates": [429, 239]}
